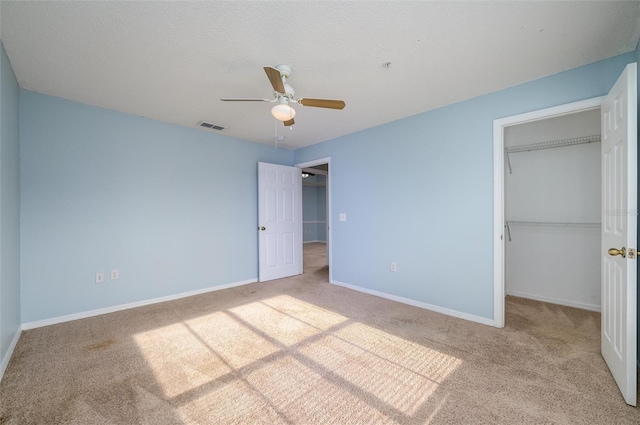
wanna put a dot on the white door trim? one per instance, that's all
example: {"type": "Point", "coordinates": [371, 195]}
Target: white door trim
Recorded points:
{"type": "Point", "coordinates": [330, 227]}
{"type": "Point", "coordinates": [498, 189]}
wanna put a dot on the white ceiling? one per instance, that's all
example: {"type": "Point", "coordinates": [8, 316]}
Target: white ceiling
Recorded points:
{"type": "Point", "coordinates": [173, 61]}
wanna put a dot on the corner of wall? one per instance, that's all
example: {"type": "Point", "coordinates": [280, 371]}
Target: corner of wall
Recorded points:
{"type": "Point", "coordinates": [10, 314]}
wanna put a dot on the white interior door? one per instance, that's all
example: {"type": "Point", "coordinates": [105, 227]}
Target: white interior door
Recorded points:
{"type": "Point", "coordinates": [279, 221]}
{"type": "Point", "coordinates": [619, 238]}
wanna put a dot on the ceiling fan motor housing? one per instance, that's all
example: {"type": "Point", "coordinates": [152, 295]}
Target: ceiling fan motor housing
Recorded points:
{"type": "Point", "coordinates": [285, 70]}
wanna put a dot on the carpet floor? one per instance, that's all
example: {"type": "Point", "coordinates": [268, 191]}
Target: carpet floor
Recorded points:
{"type": "Point", "coordinates": [302, 351]}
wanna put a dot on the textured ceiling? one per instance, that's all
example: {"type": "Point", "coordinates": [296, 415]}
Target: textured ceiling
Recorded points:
{"type": "Point", "coordinates": [173, 61]}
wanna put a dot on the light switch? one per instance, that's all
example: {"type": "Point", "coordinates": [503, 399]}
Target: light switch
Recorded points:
{"type": "Point", "coordinates": [343, 217]}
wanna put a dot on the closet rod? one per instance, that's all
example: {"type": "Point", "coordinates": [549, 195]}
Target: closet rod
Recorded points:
{"type": "Point", "coordinates": [508, 225]}
{"type": "Point", "coordinates": [548, 145]}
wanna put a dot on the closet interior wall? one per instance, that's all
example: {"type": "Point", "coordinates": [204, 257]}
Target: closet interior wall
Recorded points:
{"type": "Point", "coordinates": [553, 196]}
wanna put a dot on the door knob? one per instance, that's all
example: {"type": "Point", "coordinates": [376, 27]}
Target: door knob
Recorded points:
{"type": "Point", "coordinates": [614, 252]}
{"type": "Point", "coordinates": [262, 228]}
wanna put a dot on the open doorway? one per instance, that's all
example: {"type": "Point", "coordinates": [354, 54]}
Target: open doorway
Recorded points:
{"type": "Point", "coordinates": [552, 215]}
{"type": "Point", "coordinates": [316, 202]}
{"type": "Point", "coordinates": [553, 208]}
{"type": "Point", "coordinates": [618, 139]}
{"type": "Point", "coordinates": [556, 224]}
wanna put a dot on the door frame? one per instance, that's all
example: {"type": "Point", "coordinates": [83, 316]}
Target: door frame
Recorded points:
{"type": "Point", "coordinates": [314, 163]}
{"type": "Point", "coordinates": [499, 287]}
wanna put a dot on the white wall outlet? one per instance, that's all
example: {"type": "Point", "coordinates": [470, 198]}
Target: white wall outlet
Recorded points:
{"type": "Point", "coordinates": [393, 267]}
{"type": "Point", "coordinates": [115, 274]}
{"type": "Point", "coordinates": [99, 277]}
{"type": "Point", "coordinates": [342, 217]}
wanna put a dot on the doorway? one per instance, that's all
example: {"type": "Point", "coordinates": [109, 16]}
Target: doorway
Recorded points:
{"type": "Point", "coordinates": [316, 235]}
{"type": "Point", "coordinates": [619, 173]}
{"type": "Point", "coordinates": [552, 199]}
{"type": "Point", "coordinates": [500, 219]}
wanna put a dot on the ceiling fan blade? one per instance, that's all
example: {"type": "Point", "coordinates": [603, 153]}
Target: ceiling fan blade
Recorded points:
{"type": "Point", "coordinates": [323, 103]}
{"type": "Point", "coordinates": [245, 99]}
{"type": "Point", "coordinates": [289, 122]}
{"type": "Point", "coordinates": [275, 78]}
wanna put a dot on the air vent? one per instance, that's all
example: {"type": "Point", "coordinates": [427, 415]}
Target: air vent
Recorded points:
{"type": "Point", "coordinates": [211, 126]}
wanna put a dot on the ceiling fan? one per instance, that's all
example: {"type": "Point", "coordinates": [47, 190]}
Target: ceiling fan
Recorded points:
{"type": "Point", "coordinates": [283, 94]}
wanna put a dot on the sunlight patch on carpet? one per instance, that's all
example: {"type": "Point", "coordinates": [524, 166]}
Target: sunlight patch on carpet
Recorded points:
{"type": "Point", "coordinates": [287, 359]}
{"type": "Point", "coordinates": [177, 359]}
{"type": "Point", "coordinates": [287, 319]}
{"type": "Point", "coordinates": [236, 344]}
{"type": "Point", "coordinates": [182, 356]}
{"type": "Point", "coordinates": [400, 373]}
{"type": "Point", "coordinates": [310, 314]}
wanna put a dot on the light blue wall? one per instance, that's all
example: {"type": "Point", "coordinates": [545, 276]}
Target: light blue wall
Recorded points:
{"type": "Point", "coordinates": [321, 193]}
{"type": "Point", "coordinates": [9, 205]}
{"type": "Point", "coordinates": [173, 209]}
{"type": "Point", "coordinates": [419, 192]}
{"type": "Point", "coordinates": [314, 206]}
{"type": "Point", "coordinates": [309, 213]}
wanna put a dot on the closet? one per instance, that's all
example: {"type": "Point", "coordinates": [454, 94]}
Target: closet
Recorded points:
{"type": "Point", "coordinates": [552, 210]}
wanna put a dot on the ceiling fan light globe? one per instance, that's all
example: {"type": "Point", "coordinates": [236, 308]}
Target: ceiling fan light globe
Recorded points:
{"type": "Point", "coordinates": [283, 112]}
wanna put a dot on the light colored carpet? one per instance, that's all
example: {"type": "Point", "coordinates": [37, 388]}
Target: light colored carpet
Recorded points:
{"type": "Point", "coordinates": [302, 351]}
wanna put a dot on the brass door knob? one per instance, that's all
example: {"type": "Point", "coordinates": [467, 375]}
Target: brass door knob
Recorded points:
{"type": "Point", "coordinates": [262, 228]}
{"type": "Point", "coordinates": [614, 252]}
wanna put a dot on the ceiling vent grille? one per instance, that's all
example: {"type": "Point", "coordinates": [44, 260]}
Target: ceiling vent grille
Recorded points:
{"type": "Point", "coordinates": [211, 126]}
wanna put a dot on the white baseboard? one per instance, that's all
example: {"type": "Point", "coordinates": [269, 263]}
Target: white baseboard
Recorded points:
{"type": "Point", "coordinates": [9, 353]}
{"type": "Point", "coordinates": [100, 311]}
{"type": "Point", "coordinates": [591, 307]}
{"type": "Point", "coordinates": [314, 241]}
{"type": "Point", "coordinates": [420, 304]}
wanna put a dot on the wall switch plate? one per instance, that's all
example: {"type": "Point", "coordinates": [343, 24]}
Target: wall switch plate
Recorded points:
{"type": "Point", "coordinates": [342, 217]}
{"type": "Point", "coordinates": [99, 277]}
{"type": "Point", "coordinates": [393, 267]}
{"type": "Point", "coordinates": [115, 274]}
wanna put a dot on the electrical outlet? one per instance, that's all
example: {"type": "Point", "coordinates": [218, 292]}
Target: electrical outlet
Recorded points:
{"type": "Point", "coordinates": [99, 277]}
{"type": "Point", "coordinates": [115, 274]}
{"type": "Point", "coordinates": [393, 267]}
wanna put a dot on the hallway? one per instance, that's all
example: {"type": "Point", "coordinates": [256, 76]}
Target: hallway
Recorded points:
{"type": "Point", "coordinates": [315, 259]}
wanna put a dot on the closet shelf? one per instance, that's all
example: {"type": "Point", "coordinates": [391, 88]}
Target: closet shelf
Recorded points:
{"type": "Point", "coordinates": [554, 144]}
{"type": "Point", "coordinates": [549, 145]}
{"type": "Point", "coordinates": [510, 223]}
{"type": "Point", "coordinates": [551, 224]}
